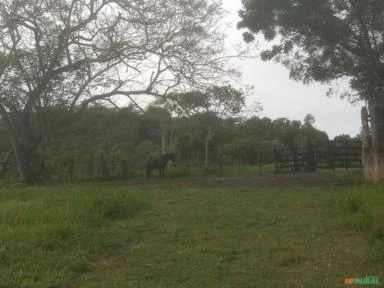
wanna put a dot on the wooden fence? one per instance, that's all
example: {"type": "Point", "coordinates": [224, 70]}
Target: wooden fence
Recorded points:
{"type": "Point", "coordinates": [336, 154]}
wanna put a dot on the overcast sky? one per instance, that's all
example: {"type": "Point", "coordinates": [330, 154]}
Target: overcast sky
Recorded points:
{"type": "Point", "coordinates": [282, 97]}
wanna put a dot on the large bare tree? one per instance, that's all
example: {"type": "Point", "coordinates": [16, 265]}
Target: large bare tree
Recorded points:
{"type": "Point", "coordinates": [70, 53]}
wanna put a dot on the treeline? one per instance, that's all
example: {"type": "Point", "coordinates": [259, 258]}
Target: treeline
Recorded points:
{"type": "Point", "coordinates": [108, 143]}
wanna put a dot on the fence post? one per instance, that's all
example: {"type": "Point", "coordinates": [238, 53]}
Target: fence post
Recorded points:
{"type": "Point", "coordinates": [221, 161]}
{"type": "Point", "coordinates": [311, 164]}
{"type": "Point", "coordinates": [331, 155]}
{"type": "Point", "coordinates": [71, 168]}
{"type": "Point", "coordinates": [259, 163]}
{"type": "Point", "coordinates": [124, 169]}
{"type": "Point", "coordinates": [90, 167]}
{"type": "Point", "coordinates": [296, 163]}
{"type": "Point", "coordinates": [103, 169]}
{"type": "Point", "coordinates": [346, 155]}
{"type": "Point", "coordinates": [277, 159]}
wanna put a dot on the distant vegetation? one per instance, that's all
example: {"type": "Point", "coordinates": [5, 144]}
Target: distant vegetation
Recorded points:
{"type": "Point", "coordinates": [71, 54]}
{"type": "Point", "coordinates": [107, 143]}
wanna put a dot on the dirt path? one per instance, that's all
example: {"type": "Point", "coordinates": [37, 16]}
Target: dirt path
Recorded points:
{"type": "Point", "coordinates": [320, 179]}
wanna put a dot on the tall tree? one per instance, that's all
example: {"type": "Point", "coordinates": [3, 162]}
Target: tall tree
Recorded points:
{"type": "Point", "coordinates": [71, 53]}
{"type": "Point", "coordinates": [327, 40]}
{"type": "Point", "coordinates": [213, 104]}
{"type": "Point", "coordinates": [162, 129]}
{"type": "Point", "coordinates": [224, 101]}
{"type": "Point", "coordinates": [309, 120]}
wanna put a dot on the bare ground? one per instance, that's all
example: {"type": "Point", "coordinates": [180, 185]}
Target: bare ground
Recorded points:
{"type": "Point", "coordinates": [319, 179]}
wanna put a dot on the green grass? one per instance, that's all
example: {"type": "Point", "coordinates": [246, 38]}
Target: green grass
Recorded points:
{"type": "Point", "coordinates": [131, 237]}
{"type": "Point", "coordinates": [49, 234]}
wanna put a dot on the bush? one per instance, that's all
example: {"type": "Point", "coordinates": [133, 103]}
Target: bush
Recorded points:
{"type": "Point", "coordinates": [178, 171]}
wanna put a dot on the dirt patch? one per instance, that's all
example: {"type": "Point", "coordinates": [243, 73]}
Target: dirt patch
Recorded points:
{"type": "Point", "coordinates": [320, 179]}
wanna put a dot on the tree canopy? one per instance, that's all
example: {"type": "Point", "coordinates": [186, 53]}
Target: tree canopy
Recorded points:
{"type": "Point", "coordinates": [76, 52]}
{"type": "Point", "coordinates": [71, 53]}
{"type": "Point", "coordinates": [112, 136]}
{"type": "Point", "coordinates": [224, 101]}
{"type": "Point", "coordinates": [322, 40]}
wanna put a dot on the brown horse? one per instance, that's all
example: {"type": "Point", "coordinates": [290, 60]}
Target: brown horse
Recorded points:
{"type": "Point", "coordinates": [159, 163]}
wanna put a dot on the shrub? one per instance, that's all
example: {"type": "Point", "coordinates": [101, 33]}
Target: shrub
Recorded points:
{"type": "Point", "coordinates": [178, 171]}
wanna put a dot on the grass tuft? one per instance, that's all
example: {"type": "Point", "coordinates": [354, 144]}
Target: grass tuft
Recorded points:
{"type": "Point", "coordinates": [58, 238]}
{"type": "Point", "coordinates": [290, 261]}
{"type": "Point", "coordinates": [354, 204]}
{"type": "Point", "coordinates": [363, 211]}
{"type": "Point", "coordinates": [116, 208]}
{"type": "Point", "coordinates": [377, 233]}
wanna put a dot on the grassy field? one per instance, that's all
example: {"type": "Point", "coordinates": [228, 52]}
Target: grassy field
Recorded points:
{"type": "Point", "coordinates": [127, 236]}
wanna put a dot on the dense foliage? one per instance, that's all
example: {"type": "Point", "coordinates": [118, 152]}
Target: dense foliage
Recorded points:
{"type": "Point", "coordinates": [329, 40]}
{"type": "Point", "coordinates": [71, 53]}
{"type": "Point", "coordinates": [323, 40]}
{"type": "Point", "coordinates": [105, 135]}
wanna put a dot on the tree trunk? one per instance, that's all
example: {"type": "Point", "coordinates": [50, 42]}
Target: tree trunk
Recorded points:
{"type": "Point", "coordinates": [163, 142]}
{"type": "Point", "coordinates": [173, 141]}
{"type": "Point", "coordinates": [28, 163]}
{"type": "Point", "coordinates": [373, 142]}
{"type": "Point", "coordinates": [311, 162]}
{"type": "Point", "coordinates": [25, 145]}
{"type": "Point", "coordinates": [206, 155]}
{"type": "Point", "coordinates": [208, 138]}
{"type": "Point", "coordinates": [221, 161]}
{"type": "Point", "coordinates": [367, 157]}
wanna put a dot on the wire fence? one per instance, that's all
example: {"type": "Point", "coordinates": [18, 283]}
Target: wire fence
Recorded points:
{"type": "Point", "coordinates": [336, 154]}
